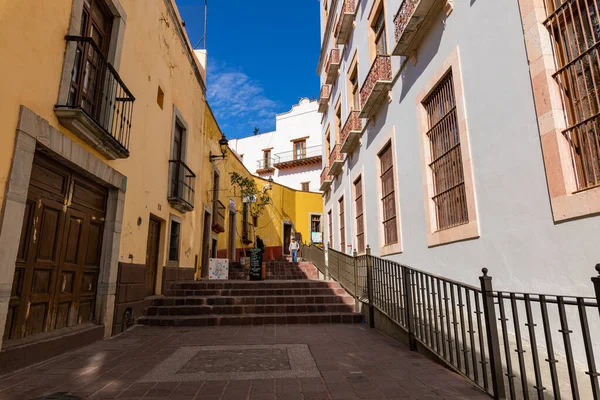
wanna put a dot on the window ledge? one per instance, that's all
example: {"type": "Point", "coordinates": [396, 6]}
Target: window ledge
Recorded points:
{"type": "Point", "coordinates": [390, 249]}
{"type": "Point", "coordinates": [458, 233]}
{"type": "Point", "coordinates": [577, 205]}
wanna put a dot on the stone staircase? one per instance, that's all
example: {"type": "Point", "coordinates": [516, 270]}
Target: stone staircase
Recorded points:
{"type": "Point", "coordinates": [289, 295]}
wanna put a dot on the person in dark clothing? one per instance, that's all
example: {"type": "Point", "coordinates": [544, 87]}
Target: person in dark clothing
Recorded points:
{"type": "Point", "coordinates": [260, 245]}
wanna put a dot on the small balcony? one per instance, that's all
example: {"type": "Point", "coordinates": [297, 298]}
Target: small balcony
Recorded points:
{"type": "Point", "coordinates": [336, 160]}
{"type": "Point", "coordinates": [182, 182]}
{"type": "Point", "coordinates": [351, 132]}
{"type": "Point", "coordinates": [333, 65]}
{"type": "Point", "coordinates": [218, 217]}
{"type": "Point", "coordinates": [247, 232]}
{"type": "Point", "coordinates": [265, 166]}
{"type": "Point", "coordinates": [376, 86]}
{"type": "Point", "coordinates": [407, 22]}
{"type": "Point", "coordinates": [293, 159]}
{"type": "Point", "coordinates": [99, 106]}
{"type": "Point", "coordinates": [324, 98]}
{"type": "Point", "coordinates": [326, 179]}
{"type": "Point", "coordinates": [344, 26]}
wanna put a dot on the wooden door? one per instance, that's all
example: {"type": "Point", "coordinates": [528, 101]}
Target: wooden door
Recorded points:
{"type": "Point", "coordinates": [58, 261]}
{"type": "Point", "coordinates": [287, 236]}
{"type": "Point", "coordinates": [152, 255]}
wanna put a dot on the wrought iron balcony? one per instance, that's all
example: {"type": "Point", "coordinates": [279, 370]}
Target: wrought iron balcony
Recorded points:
{"type": "Point", "coordinates": [324, 98]}
{"type": "Point", "coordinates": [336, 160]}
{"type": "Point", "coordinates": [333, 65]}
{"type": "Point", "coordinates": [376, 86]}
{"type": "Point", "coordinates": [351, 132]}
{"type": "Point", "coordinates": [345, 22]}
{"type": "Point", "coordinates": [247, 232]}
{"type": "Point", "coordinates": [99, 107]}
{"type": "Point", "coordinates": [292, 159]}
{"type": "Point", "coordinates": [265, 166]}
{"type": "Point", "coordinates": [182, 182]}
{"type": "Point", "coordinates": [218, 217]}
{"type": "Point", "coordinates": [326, 179]}
{"type": "Point", "coordinates": [407, 22]}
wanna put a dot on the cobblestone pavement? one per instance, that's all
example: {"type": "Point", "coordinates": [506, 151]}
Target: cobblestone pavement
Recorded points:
{"type": "Point", "coordinates": [300, 362]}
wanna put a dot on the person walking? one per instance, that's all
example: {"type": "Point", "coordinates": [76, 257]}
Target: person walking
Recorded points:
{"type": "Point", "coordinates": [294, 247]}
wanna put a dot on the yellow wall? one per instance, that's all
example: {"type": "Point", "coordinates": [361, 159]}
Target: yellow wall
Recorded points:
{"type": "Point", "coordinates": [288, 205]}
{"type": "Point", "coordinates": [153, 54]}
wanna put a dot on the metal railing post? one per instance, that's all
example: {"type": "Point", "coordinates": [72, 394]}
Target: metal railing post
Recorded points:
{"type": "Point", "coordinates": [410, 320]}
{"type": "Point", "coordinates": [489, 314]}
{"type": "Point", "coordinates": [596, 281]}
{"type": "Point", "coordinates": [370, 288]}
{"type": "Point", "coordinates": [355, 262]}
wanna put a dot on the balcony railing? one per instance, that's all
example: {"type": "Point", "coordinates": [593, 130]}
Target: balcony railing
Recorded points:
{"type": "Point", "coordinates": [333, 65]}
{"type": "Point", "coordinates": [351, 132]}
{"type": "Point", "coordinates": [324, 97]}
{"type": "Point", "coordinates": [182, 182]}
{"type": "Point", "coordinates": [344, 26]}
{"type": "Point", "coordinates": [99, 107]}
{"type": "Point", "coordinates": [376, 86]}
{"type": "Point", "coordinates": [247, 232]}
{"type": "Point", "coordinates": [265, 165]}
{"type": "Point", "coordinates": [407, 22]}
{"type": "Point", "coordinates": [292, 159]}
{"type": "Point", "coordinates": [218, 217]}
{"type": "Point", "coordinates": [336, 160]}
{"type": "Point", "coordinates": [326, 179]}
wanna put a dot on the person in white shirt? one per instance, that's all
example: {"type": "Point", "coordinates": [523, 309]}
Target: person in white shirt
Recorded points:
{"type": "Point", "coordinates": [294, 247]}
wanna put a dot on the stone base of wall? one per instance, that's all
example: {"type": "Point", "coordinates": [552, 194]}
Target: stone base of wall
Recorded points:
{"type": "Point", "coordinates": [176, 274]}
{"type": "Point", "coordinates": [130, 295]}
{"type": "Point", "coordinates": [27, 351]}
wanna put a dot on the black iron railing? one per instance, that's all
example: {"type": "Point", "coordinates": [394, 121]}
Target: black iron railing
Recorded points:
{"type": "Point", "coordinates": [98, 91]}
{"type": "Point", "coordinates": [265, 163]}
{"type": "Point", "coordinates": [504, 342]}
{"type": "Point", "coordinates": [182, 182]}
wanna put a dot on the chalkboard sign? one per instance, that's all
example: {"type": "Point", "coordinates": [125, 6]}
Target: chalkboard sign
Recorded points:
{"type": "Point", "coordinates": [255, 265]}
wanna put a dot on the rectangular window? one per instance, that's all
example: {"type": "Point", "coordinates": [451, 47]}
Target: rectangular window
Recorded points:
{"type": "Point", "coordinates": [338, 123]}
{"type": "Point", "coordinates": [266, 158]}
{"type": "Point", "coordinates": [305, 186]}
{"type": "Point", "coordinates": [446, 165]}
{"type": "Point", "coordinates": [315, 223]}
{"type": "Point", "coordinates": [342, 226]}
{"type": "Point", "coordinates": [360, 225]}
{"type": "Point", "coordinates": [299, 149]}
{"type": "Point", "coordinates": [388, 199]}
{"type": "Point", "coordinates": [174, 241]}
{"type": "Point", "coordinates": [355, 90]}
{"type": "Point", "coordinates": [379, 32]}
{"type": "Point", "coordinates": [330, 218]}
{"type": "Point", "coordinates": [575, 30]}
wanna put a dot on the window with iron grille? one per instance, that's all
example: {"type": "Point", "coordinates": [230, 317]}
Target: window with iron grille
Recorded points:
{"type": "Point", "coordinates": [315, 223]}
{"type": "Point", "coordinates": [305, 186]}
{"type": "Point", "coordinates": [330, 218]}
{"type": "Point", "coordinates": [575, 30]}
{"type": "Point", "coordinates": [446, 165]}
{"type": "Point", "coordinates": [388, 201]}
{"type": "Point", "coordinates": [360, 226]}
{"type": "Point", "coordinates": [342, 225]}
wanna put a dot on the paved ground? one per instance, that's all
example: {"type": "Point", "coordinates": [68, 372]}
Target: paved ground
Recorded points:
{"type": "Point", "coordinates": [299, 362]}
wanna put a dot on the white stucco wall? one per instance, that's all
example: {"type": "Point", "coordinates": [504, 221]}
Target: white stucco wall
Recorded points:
{"type": "Point", "coordinates": [520, 244]}
{"type": "Point", "coordinates": [302, 120]}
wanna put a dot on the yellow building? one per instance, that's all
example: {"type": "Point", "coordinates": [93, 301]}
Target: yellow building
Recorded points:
{"type": "Point", "coordinates": [106, 179]}
{"type": "Point", "coordinates": [289, 213]}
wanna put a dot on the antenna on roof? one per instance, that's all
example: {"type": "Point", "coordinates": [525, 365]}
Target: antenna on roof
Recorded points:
{"type": "Point", "coordinates": [203, 38]}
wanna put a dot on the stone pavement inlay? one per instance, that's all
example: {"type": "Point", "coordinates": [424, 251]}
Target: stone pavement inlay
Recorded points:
{"type": "Point", "coordinates": [348, 362]}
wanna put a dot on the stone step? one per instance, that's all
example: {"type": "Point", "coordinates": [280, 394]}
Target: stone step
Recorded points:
{"type": "Point", "coordinates": [251, 300]}
{"type": "Point", "coordinates": [251, 319]}
{"type": "Point", "coordinates": [232, 284]}
{"type": "Point", "coordinates": [259, 291]}
{"type": "Point", "coordinates": [248, 309]}
{"type": "Point", "coordinates": [289, 277]}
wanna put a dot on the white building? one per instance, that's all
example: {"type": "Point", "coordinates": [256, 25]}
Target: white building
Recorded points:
{"type": "Point", "coordinates": [460, 153]}
{"type": "Point", "coordinates": [291, 154]}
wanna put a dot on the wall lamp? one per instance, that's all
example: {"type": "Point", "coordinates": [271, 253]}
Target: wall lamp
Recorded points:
{"type": "Point", "coordinates": [223, 142]}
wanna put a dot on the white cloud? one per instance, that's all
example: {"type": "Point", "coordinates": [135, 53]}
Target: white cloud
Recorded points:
{"type": "Point", "coordinates": [239, 103]}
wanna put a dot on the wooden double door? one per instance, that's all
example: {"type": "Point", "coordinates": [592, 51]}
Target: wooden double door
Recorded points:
{"type": "Point", "coordinates": [58, 262]}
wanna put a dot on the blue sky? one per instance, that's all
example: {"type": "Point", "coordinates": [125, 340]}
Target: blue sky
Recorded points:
{"type": "Point", "coordinates": [262, 56]}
